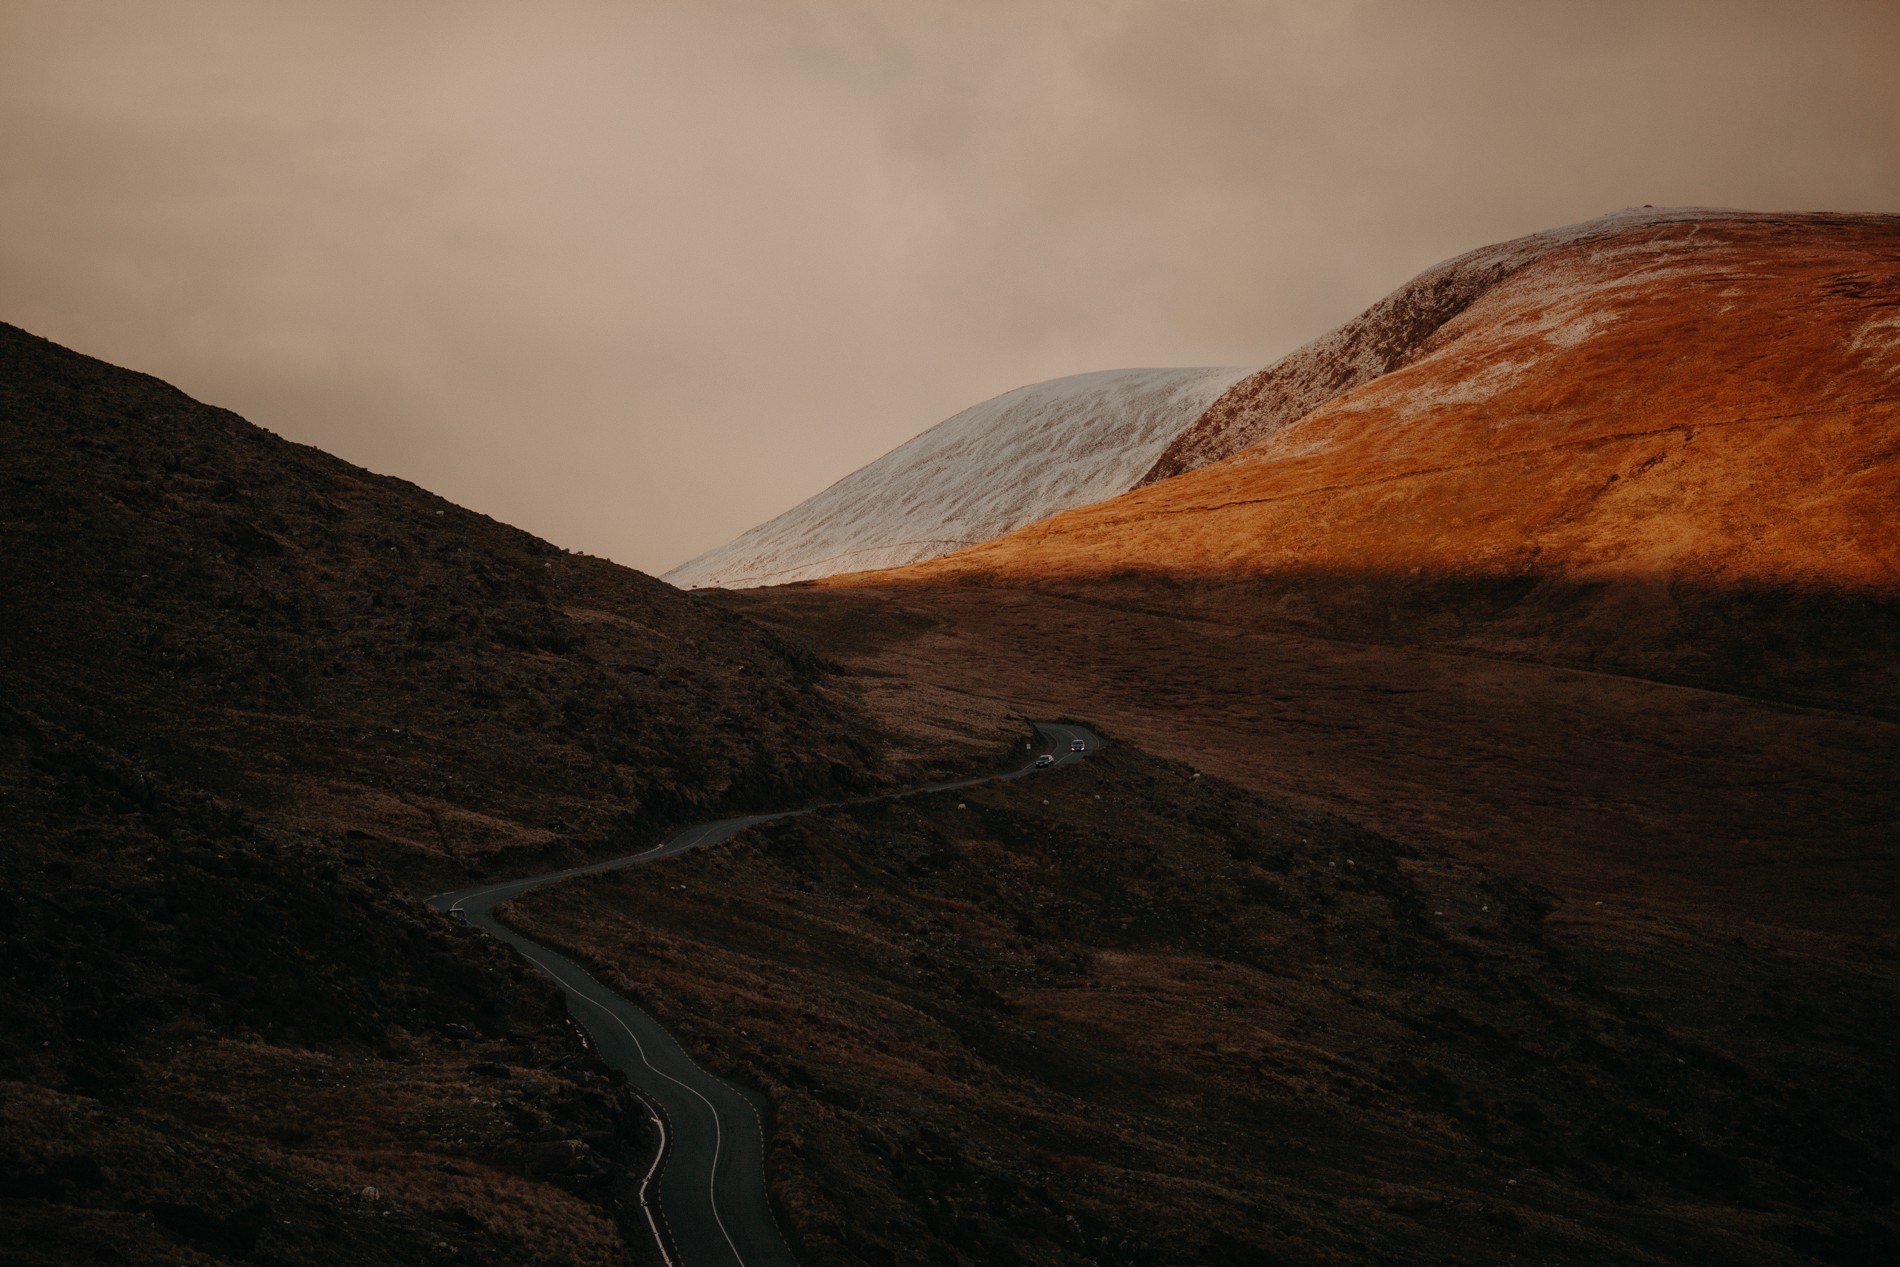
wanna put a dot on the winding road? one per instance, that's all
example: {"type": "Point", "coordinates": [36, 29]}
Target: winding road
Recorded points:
{"type": "Point", "coordinates": [704, 1196]}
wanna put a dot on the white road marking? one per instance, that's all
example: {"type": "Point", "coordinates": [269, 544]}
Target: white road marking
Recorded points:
{"type": "Point", "coordinates": [719, 1134]}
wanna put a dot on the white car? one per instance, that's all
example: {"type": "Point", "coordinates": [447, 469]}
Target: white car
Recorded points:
{"type": "Point", "coordinates": [1044, 761]}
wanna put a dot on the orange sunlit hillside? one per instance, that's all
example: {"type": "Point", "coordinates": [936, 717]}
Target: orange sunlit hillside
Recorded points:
{"type": "Point", "coordinates": [1600, 455]}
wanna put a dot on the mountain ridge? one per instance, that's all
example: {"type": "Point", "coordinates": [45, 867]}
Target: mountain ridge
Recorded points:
{"type": "Point", "coordinates": [1668, 449]}
{"type": "Point", "coordinates": [971, 479]}
{"type": "Point", "coordinates": [1385, 337]}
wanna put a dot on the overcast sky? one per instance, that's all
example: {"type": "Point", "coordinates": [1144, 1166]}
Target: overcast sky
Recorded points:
{"type": "Point", "coordinates": [639, 276]}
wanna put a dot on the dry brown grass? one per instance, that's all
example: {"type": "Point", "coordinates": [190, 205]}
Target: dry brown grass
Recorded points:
{"type": "Point", "coordinates": [1661, 802]}
{"type": "Point", "coordinates": [1123, 1015]}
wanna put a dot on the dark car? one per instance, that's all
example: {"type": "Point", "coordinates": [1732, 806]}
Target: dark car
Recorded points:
{"type": "Point", "coordinates": [1078, 746]}
{"type": "Point", "coordinates": [1044, 760]}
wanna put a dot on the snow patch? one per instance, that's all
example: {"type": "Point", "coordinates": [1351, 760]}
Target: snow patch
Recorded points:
{"type": "Point", "coordinates": [1878, 339]}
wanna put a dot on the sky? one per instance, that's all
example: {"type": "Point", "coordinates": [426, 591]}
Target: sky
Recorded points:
{"type": "Point", "coordinates": [637, 277]}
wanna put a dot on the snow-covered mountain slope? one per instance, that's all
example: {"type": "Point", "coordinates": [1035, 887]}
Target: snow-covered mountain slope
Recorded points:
{"type": "Point", "coordinates": [1392, 333]}
{"type": "Point", "coordinates": [996, 466]}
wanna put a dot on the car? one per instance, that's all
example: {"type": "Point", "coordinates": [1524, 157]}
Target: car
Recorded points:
{"type": "Point", "coordinates": [1044, 761]}
{"type": "Point", "coordinates": [1078, 746]}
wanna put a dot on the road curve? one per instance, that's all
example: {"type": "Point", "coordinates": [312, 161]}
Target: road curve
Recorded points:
{"type": "Point", "coordinates": [704, 1198]}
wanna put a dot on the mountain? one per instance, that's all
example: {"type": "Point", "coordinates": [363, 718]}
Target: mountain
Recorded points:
{"type": "Point", "coordinates": [1664, 443]}
{"type": "Point", "coordinates": [1384, 337]}
{"type": "Point", "coordinates": [1071, 442]}
{"type": "Point", "coordinates": [255, 702]}
{"type": "Point", "coordinates": [1489, 859]}
{"type": "Point", "coordinates": [1583, 580]}
{"type": "Point", "coordinates": [307, 639]}
{"type": "Point", "coordinates": [1017, 458]}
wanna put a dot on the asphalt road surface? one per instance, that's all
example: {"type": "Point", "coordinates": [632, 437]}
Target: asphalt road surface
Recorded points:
{"type": "Point", "coordinates": [704, 1197]}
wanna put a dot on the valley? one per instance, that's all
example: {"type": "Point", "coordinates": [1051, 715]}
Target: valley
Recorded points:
{"type": "Point", "coordinates": [1490, 856]}
{"type": "Point", "coordinates": [1129, 1013]}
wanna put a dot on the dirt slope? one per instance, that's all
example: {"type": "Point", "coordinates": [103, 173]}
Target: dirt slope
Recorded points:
{"type": "Point", "coordinates": [1673, 450]}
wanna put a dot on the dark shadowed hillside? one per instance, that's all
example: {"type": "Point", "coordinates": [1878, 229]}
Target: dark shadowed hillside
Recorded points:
{"type": "Point", "coordinates": [224, 1043]}
{"type": "Point", "coordinates": [350, 654]}
{"type": "Point", "coordinates": [1125, 1014]}
{"type": "Point", "coordinates": [255, 701]}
